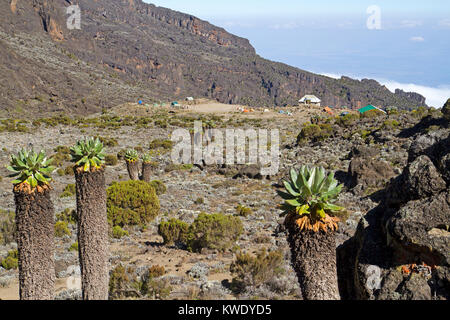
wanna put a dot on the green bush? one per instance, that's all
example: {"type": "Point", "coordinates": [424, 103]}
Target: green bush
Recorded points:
{"type": "Point", "coordinates": [159, 186]}
{"type": "Point", "coordinates": [214, 231]}
{"type": "Point", "coordinates": [199, 201]}
{"type": "Point", "coordinates": [118, 281]}
{"type": "Point", "coordinates": [173, 231]}
{"type": "Point", "coordinates": [178, 167]}
{"type": "Point", "coordinates": [74, 246]}
{"type": "Point", "coordinates": [111, 160]}
{"type": "Point", "coordinates": [347, 120]}
{"type": "Point", "coordinates": [7, 227]}
{"type": "Point", "coordinates": [243, 211]}
{"type": "Point", "coordinates": [372, 114]}
{"type": "Point", "coordinates": [68, 171]}
{"type": "Point", "coordinates": [118, 232]}
{"type": "Point", "coordinates": [315, 133]}
{"type": "Point", "coordinates": [390, 124]}
{"type": "Point", "coordinates": [254, 271]}
{"type": "Point", "coordinates": [68, 215]}
{"type": "Point", "coordinates": [62, 229]}
{"type": "Point", "coordinates": [108, 142]}
{"type": "Point", "coordinates": [69, 191]}
{"type": "Point", "coordinates": [156, 271]}
{"type": "Point", "coordinates": [60, 157]}
{"type": "Point", "coordinates": [131, 203]}
{"type": "Point", "coordinates": [164, 145]}
{"type": "Point", "coordinates": [11, 261]}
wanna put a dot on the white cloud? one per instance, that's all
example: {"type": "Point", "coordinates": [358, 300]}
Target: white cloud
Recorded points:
{"type": "Point", "coordinates": [410, 23]}
{"type": "Point", "coordinates": [285, 26]}
{"type": "Point", "coordinates": [417, 39]}
{"type": "Point", "coordinates": [435, 96]}
{"type": "Point", "coordinates": [445, 23]}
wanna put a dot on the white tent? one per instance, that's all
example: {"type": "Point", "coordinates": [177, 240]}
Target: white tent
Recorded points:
{"type": "Point", "coordinates": [310, 99]}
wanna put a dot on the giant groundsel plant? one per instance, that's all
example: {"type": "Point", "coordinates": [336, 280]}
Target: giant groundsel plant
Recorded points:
{"type": "Point", "coordinates": [309, 199]}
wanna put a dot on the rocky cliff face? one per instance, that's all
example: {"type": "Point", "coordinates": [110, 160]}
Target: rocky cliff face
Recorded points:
{"type": "Point", "coordinates": [400, 250]}
{"type": "Point", "coordinates": [127, 49]}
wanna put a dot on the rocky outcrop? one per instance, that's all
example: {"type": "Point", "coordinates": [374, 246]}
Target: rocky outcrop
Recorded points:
{"type": "Point", "coordinates": [367, 172]}
{"type": "Point", "coordinates": [400, 250]}
{"type": "Point", "coordinates": [446, 110]}
{"type": "Point", "coordinates": [411, 95]}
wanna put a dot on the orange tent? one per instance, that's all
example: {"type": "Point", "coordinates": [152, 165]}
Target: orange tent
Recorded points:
{"type": "Point", "coordinates": [328, 110]}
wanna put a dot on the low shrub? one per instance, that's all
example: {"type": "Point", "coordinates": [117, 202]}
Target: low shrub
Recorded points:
{"type": "Point", "coordinates": [372, 114]}
{"type": "Point", "coordinates": [11, 261]}
{"type": "Point", "coordinates": [73, 247]}
{"type": "Point", "coordinates": [156, 271]}
{"type": "Point", "coordinates": [173, 231]}
{"type": "Point", "coordinates": [243, 211]}
{"type": "Point", "coordinates": [214, 231]}
{"type": "Point", "coordinates": [68, 215]}
{"type": "Point", "coordinates": [62, 229]}
{"type": "Point", "coordinates": [69, 191]}
{"type": "Point", "coordinates": [164, 145]}
{"type": "Point", "coordinates": [347, 120]}
{"type": "Point", "coordinates": [390, 124]}
{"type": "Point", "coordinates": [7, 227]}
{"type": "Point", "coordinates": [118, 232]}
{"type": "Point", "coordinates": [131, 203]}
{"type": "Point", "coordinates": [256, 270]}
{"type": "Point", "coordinates": [199, 201]}
{"type": "Point", "coordinates": [111, 160]}
{"type": "Point", "coordinates": [178, 167]}
{"type": "Point", "coordinates": [118, 281]}
{"type": "Point", "coordinates": [159, 186]}
{"type": "Point", "coordinates": [109, 142]}
{"type": "Point", "coordinates": [315, 133]}
{"type": "Point", "coordinates": [68, 171]}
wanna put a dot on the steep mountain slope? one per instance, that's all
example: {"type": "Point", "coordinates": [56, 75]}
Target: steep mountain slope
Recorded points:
{"type": "Point", "coordinates": [127, 49]}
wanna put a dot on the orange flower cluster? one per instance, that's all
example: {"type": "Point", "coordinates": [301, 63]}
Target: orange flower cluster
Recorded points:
{"type": "Point", "coordinates": [414, 268]}
{"type": "Point", "coordinates": [325, 224]}
{"type": "Point", "coordinates": [25, 187]}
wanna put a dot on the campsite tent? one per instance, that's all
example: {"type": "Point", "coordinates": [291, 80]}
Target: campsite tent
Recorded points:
{"type": "Point", "coordinates": [310, 99]}
{"type": "Point", "coordinates": [368, 108]}
{"type": "Point", "coordinates": [328, 110]}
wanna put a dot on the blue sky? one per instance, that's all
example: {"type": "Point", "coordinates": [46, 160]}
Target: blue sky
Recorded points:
{"type": "Point", "coordinates": [409, 51]}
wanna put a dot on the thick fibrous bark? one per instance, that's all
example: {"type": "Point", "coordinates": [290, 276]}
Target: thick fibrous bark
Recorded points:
{"type": "Point", "coordinates": [133, 170]}
{"type": "Point", "coordinates": [93, 241]}
{"type": "Point", "coordinates": [35, 241]}
{"type": "Point", "coordinates": [314, 261]}
{"type": "Point", "coordinates": [146, 172]}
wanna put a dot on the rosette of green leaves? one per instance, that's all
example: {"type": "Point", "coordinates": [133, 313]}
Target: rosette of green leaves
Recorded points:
{"type": "Point", "coordinates": [131, 155]}
{"type": "Point", "coordinates": [88, 154]}
{"type": "Point", "coordinates": [311, 192]}
{"type": "Point", "coordinates": [31, 168]}
{"type": "Point", "coordinates": [147, 158]}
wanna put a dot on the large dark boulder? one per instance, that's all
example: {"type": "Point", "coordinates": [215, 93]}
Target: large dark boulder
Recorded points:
{"type": "Point", "coordinates": [419, 231]}
{"type": "Point", "coordinates": [422, 179]}
{"type": "Point", "coordinates": [367, 173]}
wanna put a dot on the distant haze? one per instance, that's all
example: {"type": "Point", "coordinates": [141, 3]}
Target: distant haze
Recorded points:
{"type": "Point", "coordinates": [410, 51]}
